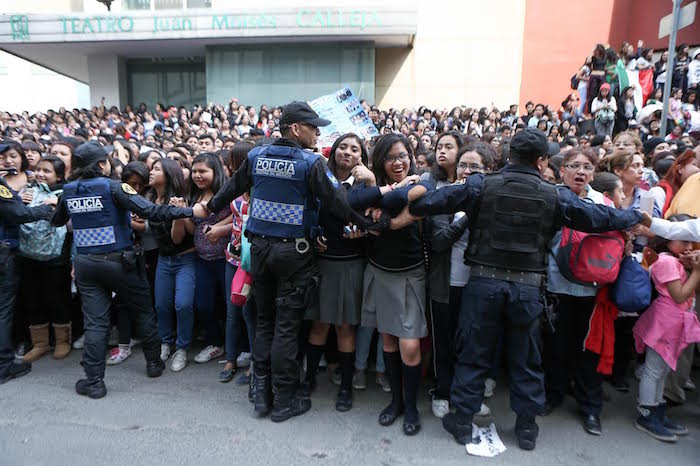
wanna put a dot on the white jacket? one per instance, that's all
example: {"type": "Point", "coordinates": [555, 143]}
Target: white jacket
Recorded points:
{"type": "Point", "coordinates": [694, 72]}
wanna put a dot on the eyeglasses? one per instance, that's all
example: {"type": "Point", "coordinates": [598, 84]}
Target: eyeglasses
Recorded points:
{"type": "Point", "coordinates": [586, 167]}
{"type": "Point", "coordinates": [401, 157]}
{"type": "Point", "coordinates": [474, 167]}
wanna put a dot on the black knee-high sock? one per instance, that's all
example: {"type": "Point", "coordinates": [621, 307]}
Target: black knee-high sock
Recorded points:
{"type": "Point", "coordinates": [392, 361]}
{"type": "Point", "coordinates": [313, 358]}
{"type": "Point", "coordinates": [411, 380]}
{"type": "Point", "coordinates": [347, 368]}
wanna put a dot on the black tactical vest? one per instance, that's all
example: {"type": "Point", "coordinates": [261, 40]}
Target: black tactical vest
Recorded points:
{"type": "Point", "coordinates": [514, 224]}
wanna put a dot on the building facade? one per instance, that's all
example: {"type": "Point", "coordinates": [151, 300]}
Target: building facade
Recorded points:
{"type": "Point", "coordinates": [393, 53]}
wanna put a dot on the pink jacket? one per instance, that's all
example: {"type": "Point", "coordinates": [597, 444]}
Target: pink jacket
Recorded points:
{"type": "Point", "coordinates": [667, 328]}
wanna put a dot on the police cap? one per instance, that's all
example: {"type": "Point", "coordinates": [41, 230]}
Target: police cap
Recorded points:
{"type": "Point", "coordinates": [89, 153]}
{"type": "Point", "coordinates": [530, 144]}
{"type": "Point", "coordinates": [301, 112]}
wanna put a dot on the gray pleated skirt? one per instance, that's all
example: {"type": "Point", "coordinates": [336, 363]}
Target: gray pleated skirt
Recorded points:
{"type": "Point", "coordinates": [394, 302]}
{"type": "Point", "coordinates": [340, 292]}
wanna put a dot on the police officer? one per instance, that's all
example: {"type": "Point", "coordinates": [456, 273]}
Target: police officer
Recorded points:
{"type": "Point", "coordinates": [513, 216]}
{"type": "Point", "coordinates": [107, 261]}
{"type": "Point", "coordinates": [13, 212]}
{"type": "Point", "coordinates": [285, 182]}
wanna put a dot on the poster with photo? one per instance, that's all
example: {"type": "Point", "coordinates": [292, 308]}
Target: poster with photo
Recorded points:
{"type": "Point", "coordinates": [346, 114]}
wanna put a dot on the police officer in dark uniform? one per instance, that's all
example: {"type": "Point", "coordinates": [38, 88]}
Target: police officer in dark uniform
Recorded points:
{"type": "Point", "coordinates": [286, 182]}
{"type": "Point", "coordinates": [513, 216]}
{"type": "Point", "coordinates": [107, 261]}
{"type": "Point", "coordinates": [13, 212]}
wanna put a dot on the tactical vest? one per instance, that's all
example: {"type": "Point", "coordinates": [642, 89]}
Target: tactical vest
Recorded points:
{"type": "Point", "coordinates": [515, 223]}
{"type": "Point", "coordinates": [99, 226]}
{"type": "Point", "coordinates": [281, 205]}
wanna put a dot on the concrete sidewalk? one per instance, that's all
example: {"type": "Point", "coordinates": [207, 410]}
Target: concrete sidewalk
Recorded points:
{"type": "Point", "coordinates": [189, 418]}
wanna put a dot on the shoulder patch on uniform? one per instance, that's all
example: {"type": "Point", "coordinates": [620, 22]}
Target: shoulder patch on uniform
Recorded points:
{"type": "Point", "coordinates": [5, 193]}
{"type": "Point", "coordinates": [331, 177]}
{"type": "Point", "coordinates": [128, 189]}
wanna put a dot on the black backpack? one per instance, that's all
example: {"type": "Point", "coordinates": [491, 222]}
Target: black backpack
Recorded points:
{"type": "Point", "coordinates": [574, 81]}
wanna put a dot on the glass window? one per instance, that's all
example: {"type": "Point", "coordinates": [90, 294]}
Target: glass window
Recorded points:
{"type": "Point", "coordinates": [168, 4]}
{"type": "Point", "coordinates": [198, 3]}
{"type": "Point", "coordinates": [136, 4]}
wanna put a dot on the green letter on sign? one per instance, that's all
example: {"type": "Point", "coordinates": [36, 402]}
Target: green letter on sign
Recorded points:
{"type": "Point", "coordinates": [19, 25]}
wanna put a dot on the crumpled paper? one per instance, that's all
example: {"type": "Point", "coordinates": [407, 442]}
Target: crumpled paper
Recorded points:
{"type": "Point", "coordinates": [485, 442]}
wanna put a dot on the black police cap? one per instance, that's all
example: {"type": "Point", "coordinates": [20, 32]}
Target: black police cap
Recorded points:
{"type": "Point", "coordinates": [301, 112]}
{"type": "Point", "coordinates": [529, 142]}
{"type": "Point", "coordinates": [89, 153]}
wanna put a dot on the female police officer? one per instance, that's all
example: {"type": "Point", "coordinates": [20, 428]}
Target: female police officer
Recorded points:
{"type": "Point", "coordinates": [107, 260]}
{"type": "Point", "coordinates": [13, 212]}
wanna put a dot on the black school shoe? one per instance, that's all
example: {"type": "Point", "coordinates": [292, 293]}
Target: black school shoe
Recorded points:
{"type": "Point", "coordinates": [343, 401]}
{"type": "Point", "coordinates": [591, 424]}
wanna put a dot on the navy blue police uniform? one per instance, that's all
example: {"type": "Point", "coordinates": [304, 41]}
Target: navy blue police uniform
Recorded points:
{"type": "Point", "coordinates": [13, 213]}
{"type": "Point", "coordinates": [107, 262]}
{"type": "Point", "coordinates": [513, 216]}
{"type": "Point", "coordinates": [286, 183]}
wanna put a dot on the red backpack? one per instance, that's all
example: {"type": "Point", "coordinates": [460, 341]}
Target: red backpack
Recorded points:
{"type": "Point", "coordinates": [590, 259]}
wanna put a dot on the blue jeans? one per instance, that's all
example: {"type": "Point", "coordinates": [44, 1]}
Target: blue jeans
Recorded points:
{"type": "Point", "coordinates": [210, 290]}
{"type": "Point", "coordinates": [9, 283]}
{"type": "Point", "coordinates": [363, 338]}
{"type": "Point", "coordinates": [174, 288]}
{"type": "Point", "coordinates": [233, 319]}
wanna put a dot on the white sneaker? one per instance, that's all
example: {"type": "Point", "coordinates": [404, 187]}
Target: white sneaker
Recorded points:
{"type": "Point", "coordinates": [209, 353]}
{"type": "Point", "coordinates": [440, 408]}
{"type": "Point", "coordinates": [489, 387]}
{"type": "Point", "coordinates": [133, 342]}
{"type": "Point", "coordinates": [179, 360]}
{"type": "Point", "coordinates": [80, 342]}
{"type": "Point", "coordinates": [164, 351]}
{"type": "Point", "coordinates": [243, 360]}
{"type": "Point", "coordinates": [484, 411]}
{"type": "Point", "coordinates": [118, 355]}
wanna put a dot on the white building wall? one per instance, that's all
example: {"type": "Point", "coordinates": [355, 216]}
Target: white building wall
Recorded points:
{"type": "Point", "coordinates": [25, 86]}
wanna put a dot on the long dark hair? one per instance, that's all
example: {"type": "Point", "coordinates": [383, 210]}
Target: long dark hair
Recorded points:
{"type": "Point", "coordinates": [380, 151]}
{"type": "Point", "coordinates": [336, 144]}
{"type": "Point", "coordinates": [174, 181]}
{"type": "Point", "coordinates": [238, 153]}
{"type": "Point", "coordinates": [18, 148]}
{"type": "Point", "coordinates": [139, 169]}
{"type": "Point", "coordinates": [436, 171]}
{"type": "Point", "coordinates": [212, 161]}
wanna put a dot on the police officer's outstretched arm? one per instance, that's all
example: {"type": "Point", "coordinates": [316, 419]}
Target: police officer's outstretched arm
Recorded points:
{"type": "Point", "coordinates": [15, 212]}
{"type": "Point", "coordinates": [126, 198]}
{"type": "Point", "coordinates": [449, 199]}
{"type": "Point", "coordinates": [592, 218]}
{"type": "Point", "coordinates": [239, 183]}
{"type": "Point", "coordinates": [324, 185]}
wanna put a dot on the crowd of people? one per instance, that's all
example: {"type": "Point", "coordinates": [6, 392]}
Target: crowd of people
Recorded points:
{"type": "Point", "coordinates": [602, 143]}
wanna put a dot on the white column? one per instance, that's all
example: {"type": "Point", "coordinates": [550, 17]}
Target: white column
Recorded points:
{"type": "Point", "coordinates": [107, 78]}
